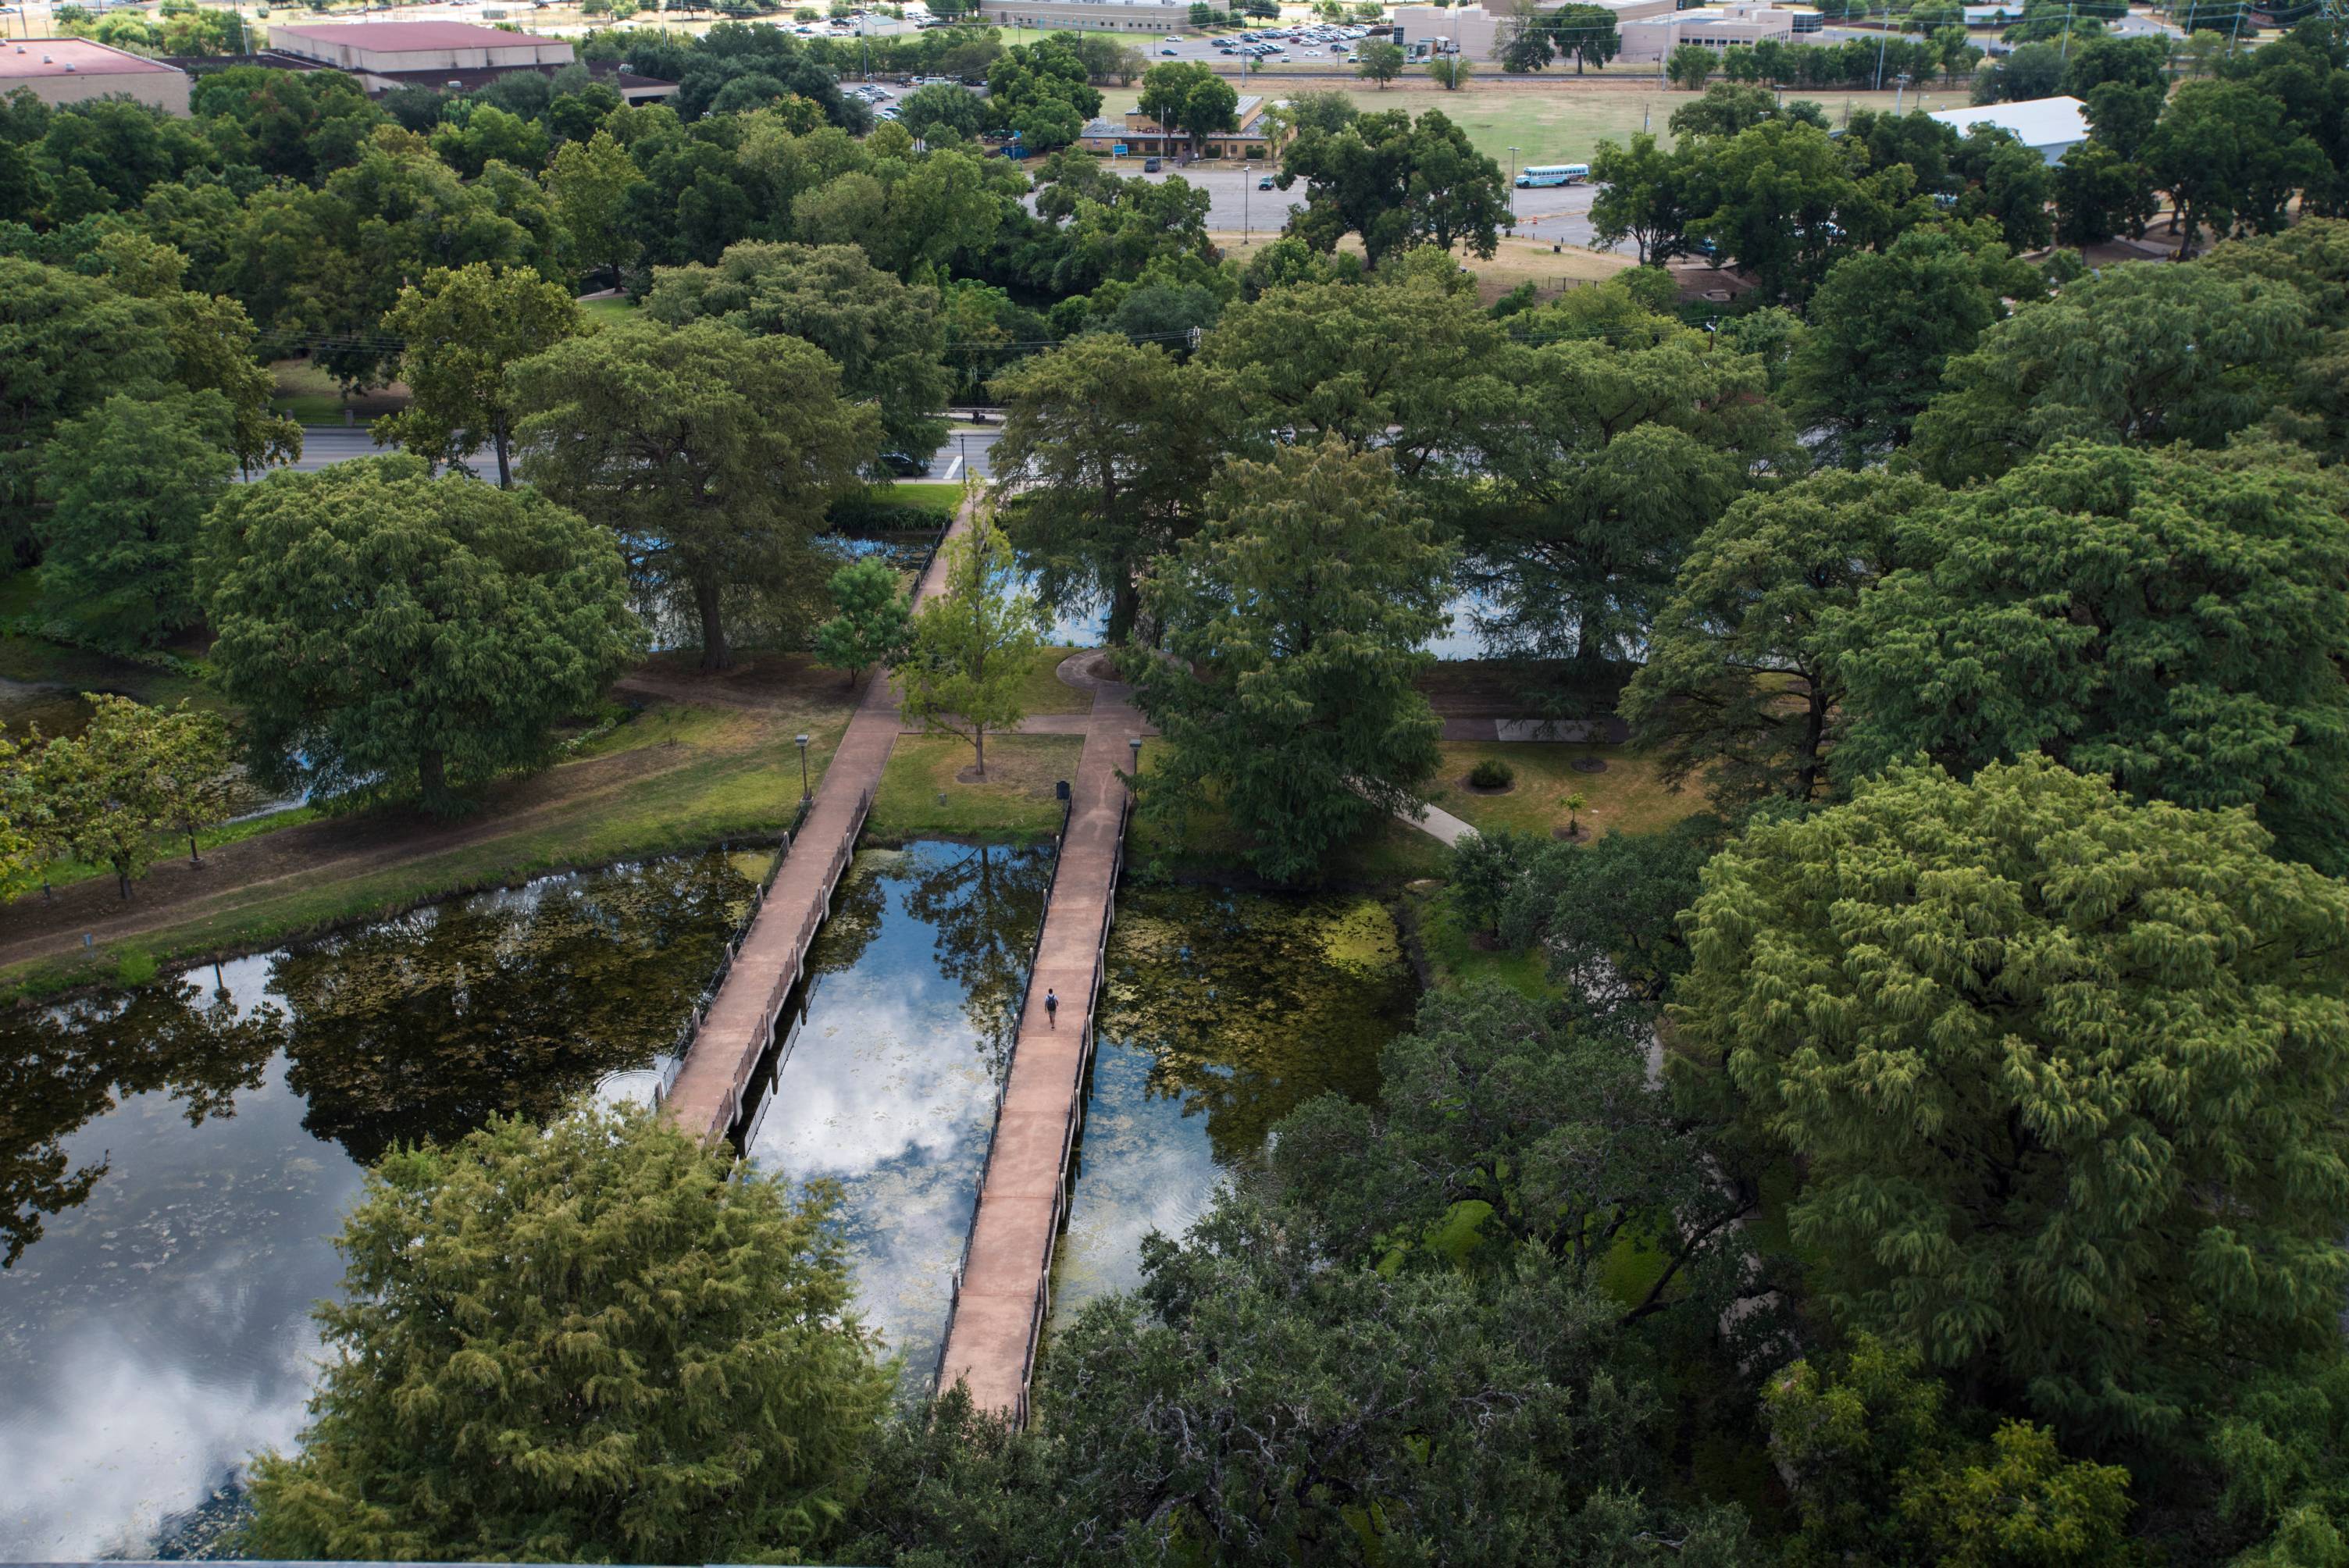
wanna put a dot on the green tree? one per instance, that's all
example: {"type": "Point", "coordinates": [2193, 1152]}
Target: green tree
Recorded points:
{"type": "Point", "coordinates": [460, 331]}
{"type": "Point", "coordinates": [873, 621]}
{"type": "Point", "coordinates": [595, 1339]}
{"type": "Point", "coordinates": [1396, 182]}
{"type": "Point", "coordinates": [1881, 1472]}
{"type": "Point", "coordinates": [1588, 33]}
{"type": "Point", "coordinates": [1107, 445]}
{"type": "Point", "coordinates": [2176, 620]}
{"type": "Point", "coordinates": [888, 337]}
{"type": "Point", "coordinates": [131, 481]}
{"type": "Point", "coordinates": [2061, 1074]}
{"type": "Point", "coordinates": [1740, 684]}
{"type": "Point", "coordinates": [592, 183]}
{"type": "Point", "coordinates": [1484, 870]}
{"type": "Point", "coordinates": [712, 455]}
{"type": "Point", "coordinates": [1296, 619]}
{"type": "Point", "coordinates": [1643, 197]}
{"type": "Point", "coordinates": [926, 110]}
{"type": "Point", "coordinates": [190, 777]}
{"type": "Point", "coordinates": [2144, 353]}
{"type": "Point", "coordinates": [385, 630]}
{"type": "Point", "coordinates": [966, 664]}
{"type": "Point", "coordinates": [67, 344]}
{"type": "Point", "coordinates": [1885, 324]}
{"type": "Point", "coordinates": [2100, 193]}
{"type": "Point", "coordinates": [1691, 65]}
{"type": "Point", "coordinates": [1508, 1135]}
{"type": "Point", "coordinates": [1188, 96]}
{"type": "Point", "coordinates": [100, 792]}
{"type": "Point", "coordinates": [1613, 451]}
{"type": "Point", "coordinates": [1378, 60]}
{"type": "Point", "coordinates": [1451, 72]}
{"type": "Point", "coordinates": [2230, 160]}
{"type": "Point", "coordinates": [1605, 913]}
{"type": "Point", "coordinates": [26, 840]}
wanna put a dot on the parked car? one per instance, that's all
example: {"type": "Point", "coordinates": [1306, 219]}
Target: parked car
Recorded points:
{"type": "Point", "coordinates": [1150, 166]}
{"type": "Point", "coordinates": [904, 465]}
{"type": "Point", "coordinates": [1263, 183]}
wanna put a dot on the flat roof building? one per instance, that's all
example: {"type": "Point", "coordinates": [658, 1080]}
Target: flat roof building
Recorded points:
{"type": "Point", "coordinates": [1089, 15]}
{"type": "Point", "coordinates": [74, 70]}
{"type": "Point", "coordinates": [462, 55]}
{"type": "Point", "coordinates": [1477, 32]}
{"type": "Point", "coordinates": [1137, 135]}
{"type": "Point", "coordinates": [1714, 27]}
{"type": "Point", "coordinates": [2050, 127]}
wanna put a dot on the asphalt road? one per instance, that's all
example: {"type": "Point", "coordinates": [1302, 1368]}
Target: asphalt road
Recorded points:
{"type": "Point", "coordinates": [324, 445]}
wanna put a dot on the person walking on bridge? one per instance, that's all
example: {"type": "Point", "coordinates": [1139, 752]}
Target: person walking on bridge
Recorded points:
{"type": "Point", "coordinates": [1052, 1008]}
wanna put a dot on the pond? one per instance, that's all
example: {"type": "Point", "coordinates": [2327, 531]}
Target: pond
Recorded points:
{"type": "Point", "coordinates": [1222, 1011]}
{"type": "Point", "coordinates": [887, 1077]}
{"type": "Point", "coordinates": [175, 1160]}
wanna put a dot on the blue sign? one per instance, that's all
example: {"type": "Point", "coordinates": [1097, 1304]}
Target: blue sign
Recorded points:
{"type": "Point", "coordinates": [1119, 151]}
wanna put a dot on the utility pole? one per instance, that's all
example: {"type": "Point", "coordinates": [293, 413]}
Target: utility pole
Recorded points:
{"type": "Point", "coordinates": [1882, 38]}
{"type": "Point", "coordinates": [2066, 52]}
{"type": "Point", "coordinates": [1513, 190]}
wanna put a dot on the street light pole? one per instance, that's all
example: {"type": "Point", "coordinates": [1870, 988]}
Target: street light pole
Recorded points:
{"type": "Point", "coordinates": [1513, 190]}
{"type": "Point", "coordinates": [804, 774]}
{"type": "Point", "coordinates": [1133, 777]}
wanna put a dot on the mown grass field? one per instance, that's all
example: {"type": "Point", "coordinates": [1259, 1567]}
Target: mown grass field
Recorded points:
{"type": "Point", "coordinates": [1629, 796]}
{"type": "Point", "coordinates": [922, 794]}
{"type": "Point", "coordinates": [1551, 118]}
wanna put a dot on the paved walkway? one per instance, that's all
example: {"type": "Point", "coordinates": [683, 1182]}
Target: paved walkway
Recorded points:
{"type": "Point", "coordinates": [1005, 1286]}
{"type": "Point", "coordinates": [737, 1029]}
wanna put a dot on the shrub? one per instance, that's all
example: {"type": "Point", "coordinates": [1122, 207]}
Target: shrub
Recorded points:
{"type": "Point", "coordinates": [1492, 773]}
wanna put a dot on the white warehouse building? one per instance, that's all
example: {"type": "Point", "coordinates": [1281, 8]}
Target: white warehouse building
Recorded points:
{"type": "Point", "coordinates": [2050, 127]}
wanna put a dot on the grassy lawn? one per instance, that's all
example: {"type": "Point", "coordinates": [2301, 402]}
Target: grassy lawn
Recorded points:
{"type": "Point", "coordinates": [945, 499]}
{"type": "Point", "coordinates": [1044, 690]}
{"type": "Point", "coordinates": [677, 776]}
{"type": "Point", "coordinates": [1552, 119]}
{"type": "Point", "coordinates": [920, 794]}
{"type": "Point", "coordinates": [603, 312]}
{"type": "Point", "coordinates": [1515, 261]}
{"type": "Point", "coordinates": [1629, 796]}
{"type": "Point", "coordinates": [314, 397]}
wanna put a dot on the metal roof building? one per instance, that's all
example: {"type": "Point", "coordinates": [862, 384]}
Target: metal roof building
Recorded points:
{"type": "Point", "coordinates": [2050, 127]}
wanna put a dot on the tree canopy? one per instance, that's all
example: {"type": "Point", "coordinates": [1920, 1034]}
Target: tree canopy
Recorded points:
{"type": "Point", "coordinates": [385, 631]}
{"type": "Point", "coordinates": [2062, 1072]}
{"type": "Point", "coordinates": [730, 1388]}
{"type": "Point", "coordinates": [2174, 621]}
{"type": "Point", "coordinates": [1296, 618]}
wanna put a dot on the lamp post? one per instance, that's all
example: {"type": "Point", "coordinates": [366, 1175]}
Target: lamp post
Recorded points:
{"type": "Point", "coordinates": [1133, 776]}
{"type": "Point", "coordinates": [1513, 190]}
{"type": "Point", "coordinates": [803, 778]}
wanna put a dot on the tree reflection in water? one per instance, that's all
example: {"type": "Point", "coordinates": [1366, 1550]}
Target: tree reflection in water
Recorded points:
{"type": "Point", "coordinates": [418, 1027]}
{"type": "Point", "coordinates": [425, 1026]}
{"type": "Point", "coordinates": [61, 1068]}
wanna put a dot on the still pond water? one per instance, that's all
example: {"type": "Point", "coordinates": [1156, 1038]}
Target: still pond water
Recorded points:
{"type": "Point", "coordinates": [176, 1159]}
{"type": "Point", "coordinates": [1222, 1013]}
{"type": "Point", "coordinates": [173, 1161]}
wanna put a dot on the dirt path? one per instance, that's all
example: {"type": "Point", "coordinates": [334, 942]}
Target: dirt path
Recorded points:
{"type": "Point", "coordinates": [249, 872]}
{"type": "Point", "coordinates": [174, 893]}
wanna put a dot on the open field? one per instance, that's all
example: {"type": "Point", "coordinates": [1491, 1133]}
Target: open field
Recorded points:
{"type": "Point", "coordinates": [1553, 119]}
{"type": "Point", "coordinates": [1515, 261]}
